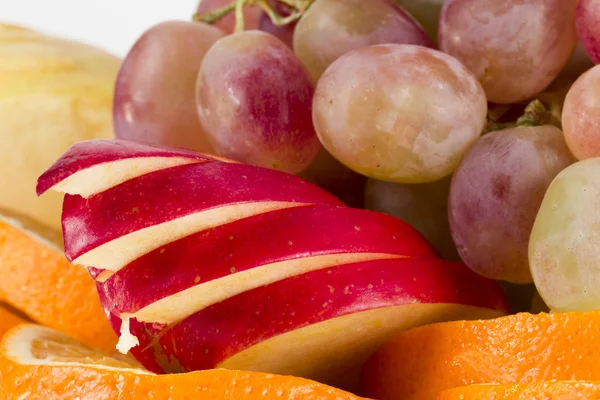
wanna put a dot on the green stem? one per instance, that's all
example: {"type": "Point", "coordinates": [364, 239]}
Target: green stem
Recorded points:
{"type": "Point", "coordinates": [239, 15]}
{"type": "Point", "coordinates": [298, 8]}
{"type": "Point", "coordinates": [545, 110]}
{"type": "Point", "coordinates": [276, 18]}
{"type": "Point", "coordinates": [537, 113]}
{"type": "Point", "coordinates": [216, 15]}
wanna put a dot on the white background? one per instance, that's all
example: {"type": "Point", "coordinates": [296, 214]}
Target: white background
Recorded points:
{"type": "Point", "coordinates": [113, 25]}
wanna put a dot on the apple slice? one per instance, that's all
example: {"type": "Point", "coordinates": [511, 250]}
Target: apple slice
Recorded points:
{"type": "Point", "coordinates": [93, 166]}
{"type": "Point", "coordinates": [218, 264]}
{"type": "Point", "coordinates": [116, 226]}
{"type": "Point", "coordinates": [322, 324]}
{"type": "Point", "coordinates": [276, 242]}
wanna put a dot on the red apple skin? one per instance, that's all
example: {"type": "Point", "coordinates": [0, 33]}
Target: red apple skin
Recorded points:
{"type": "Point", "coordinates": [210, 336]}
{"type": "Point", "coordinates": [90, 153]}
{"type": "Point", "coordinates": [171, 193]}
{"type": "Point", "coordinates": [264, 239]}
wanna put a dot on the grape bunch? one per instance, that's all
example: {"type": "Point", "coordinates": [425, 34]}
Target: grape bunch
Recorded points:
{"type": "Point", "coordinates": [457, 116]}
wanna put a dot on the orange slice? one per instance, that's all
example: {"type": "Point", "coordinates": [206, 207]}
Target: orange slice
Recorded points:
{"type": "Point", "coordinates": [8, 320]}
{"type": "Point", "coordinates": [36, 279]}
{"type": "Point", "coordinates": [560, 390]}
{"type": "Point", "coordinates": [521, 348]}
{"type": "Point", "coordinates": [40, 363]}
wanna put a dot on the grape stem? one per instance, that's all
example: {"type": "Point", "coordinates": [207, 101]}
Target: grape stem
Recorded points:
{"type": "Point", "coordinates": [215, 15]}
{"type": "Point", "coordinates": [536, 113]}
{"type": "Point", "coordinates": [545, 110]}
{"type": "Point", "coordinates": [297, 8]}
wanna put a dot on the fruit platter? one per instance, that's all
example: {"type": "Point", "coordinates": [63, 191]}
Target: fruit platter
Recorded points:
{"type": "Point", "coordinates": [305, 199]}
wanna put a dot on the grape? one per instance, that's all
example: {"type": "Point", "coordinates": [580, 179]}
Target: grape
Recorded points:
{"type": "Point", "coordinates": [154, 91]}
{"type": "Point", "coordinates": [564, 243]}
{"type": "Point", "coordinates": [331, 28]}
{"type": "Point", "coordinates": [252, 15]}
{"type": "Point", "coordinates": [495, 195]}
{"type": "Point", "coordinates": [424, 206]}
{"type": "Point", "coordinates": [254, 101]}
{"type": "Point", "coordinates": [588, 27]}
{"type": "Point", "coordinates": [399, 113]}
{"type": "Point", "coordinates": [581, 115]}
{"type": "Point", "coordinates": [515, 47]}
{"type": "Point", "coordinates": [427, 12]}
{"type": "Point", "coordinates": [329, 174]}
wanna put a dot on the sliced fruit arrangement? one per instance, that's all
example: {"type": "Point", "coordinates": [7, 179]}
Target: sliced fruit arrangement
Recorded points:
{"type": "Point", "coordinates": [240, 250]}
{"type": "Point", "coordinates": [38, 281]}
{"type": "Point", "coordinates": [568, 390]}
{"type": "Point", "coordinates": [218, 264]}
{"type": "Point", "coordinates": [522, 348]}
{"type": "Point", "coordinates": [40, 363]}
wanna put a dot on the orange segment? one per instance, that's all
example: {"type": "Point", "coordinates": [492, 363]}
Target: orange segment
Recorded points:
{"type": "Point", "coordinates": [36, 279]}
{"type": "Point", "coordinates": [8, 320]}
{"type": "Point", "coordinates": [559, 390]}
{"type": "Point", "coordinates": [521, 348]}
{"type": "Point", "coordinates": [41, 363]}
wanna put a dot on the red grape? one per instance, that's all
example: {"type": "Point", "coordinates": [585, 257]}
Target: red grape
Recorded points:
{"type": "Point", "coordinates": [516, 48]}
{"type": "Point", "coordinates": [581, 115]}
{"type": "Point", "coordinates": [495, 196]}
{"type": "Point", "coordinates": [588, 27]}
{"type": "Point", "coordinates": [254, 99]}
{"type": "Point", "coordinates": [399, 113]}
{"type": "Point", "coordinates": [154, 92]}
{"type": "Point", "coordinates": [331, 28]}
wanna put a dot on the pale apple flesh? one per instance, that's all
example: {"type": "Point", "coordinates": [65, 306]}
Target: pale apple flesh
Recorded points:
{"type": "Point", "coordinates": [259, 241]}
{"type": "Point", "coordinates": [103, 153]}
{"type": "Point", "coordinates": [230, 328]}
{"type": "Point", "coordinates": [167, 195]}
{"type": "Point", "coordinates": [334, 351]}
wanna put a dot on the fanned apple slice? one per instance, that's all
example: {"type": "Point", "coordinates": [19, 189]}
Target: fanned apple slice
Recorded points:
{"type": "Point", "coordinates": [304, 294]}
{"type": "Point", "coordinates": [281, 243]}
{"type": "Point", "coordinates": [114, 227]}
{"type": "Point", "coordinates": [93, 166]}
{"type": "Point", "coordinates": [325, 322]}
